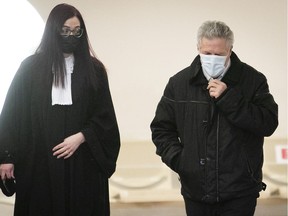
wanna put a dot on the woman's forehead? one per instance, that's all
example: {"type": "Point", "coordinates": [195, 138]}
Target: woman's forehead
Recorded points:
{"type": "Point", "coordinates": [72, 22]}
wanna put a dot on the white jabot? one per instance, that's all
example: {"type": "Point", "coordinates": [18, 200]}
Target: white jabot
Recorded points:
{"type": "Point", "coordinates": [63, 95]}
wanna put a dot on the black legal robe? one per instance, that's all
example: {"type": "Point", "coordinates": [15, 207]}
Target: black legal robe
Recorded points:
{"type": "Point", "coordinates": [30, 127]}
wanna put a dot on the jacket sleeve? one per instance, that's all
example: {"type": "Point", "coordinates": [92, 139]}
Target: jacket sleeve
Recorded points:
{"type": "Point", "coordinates": [101, 131]}
{"type": "Point", "coordinates": [253, 108]}
{"type": "Point", "coordinates": [164, 130]}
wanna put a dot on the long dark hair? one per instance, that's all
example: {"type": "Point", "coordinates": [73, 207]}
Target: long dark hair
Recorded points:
{"type": "Point", "coordinates": [51, 47]}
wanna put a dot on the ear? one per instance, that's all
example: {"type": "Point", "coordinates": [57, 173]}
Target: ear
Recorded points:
{"type": "Point", "coordinates": [230, 51]}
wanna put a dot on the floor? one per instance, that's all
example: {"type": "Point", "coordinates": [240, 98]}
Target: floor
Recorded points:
{"type": "Point", "coordinates": [266, 207]}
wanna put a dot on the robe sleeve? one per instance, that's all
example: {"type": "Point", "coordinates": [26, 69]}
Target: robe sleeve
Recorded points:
{"type": "Point", "coordinates": [101, 131]}
{"type": "Point", "coordinates": [10, 116]}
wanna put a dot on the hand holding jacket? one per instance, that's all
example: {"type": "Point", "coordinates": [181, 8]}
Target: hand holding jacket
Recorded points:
{"type": "Point", "coordinates": [7, 171]}
{"type": "Point", "coordinates": [216, 88]}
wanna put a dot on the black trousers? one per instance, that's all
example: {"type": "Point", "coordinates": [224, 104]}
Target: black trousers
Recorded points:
{"type": "Point", "coordinates": [244, 206]}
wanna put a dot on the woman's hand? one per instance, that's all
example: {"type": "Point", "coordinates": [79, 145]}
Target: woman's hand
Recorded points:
{"type": "Point", "coordinates": [67, 148]}
{"type": "Point", "coordinates": [7, 171]}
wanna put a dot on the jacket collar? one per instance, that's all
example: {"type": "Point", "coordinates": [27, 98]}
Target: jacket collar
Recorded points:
{"type": "Point", "coordinates": [231, 77]}
{"type": "Point", "coordinates": [197, 76]}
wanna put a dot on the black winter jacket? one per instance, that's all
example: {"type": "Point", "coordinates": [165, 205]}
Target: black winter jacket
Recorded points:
{"type": "Point", "coordinates": [216, 146]}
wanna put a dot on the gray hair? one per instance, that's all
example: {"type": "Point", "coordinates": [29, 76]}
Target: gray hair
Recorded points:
{"type": "Point", "coordinates": [215, 29]}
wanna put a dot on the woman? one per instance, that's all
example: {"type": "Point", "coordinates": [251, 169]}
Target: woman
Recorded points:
{"type": "Point", "coordinates": [58, 132]}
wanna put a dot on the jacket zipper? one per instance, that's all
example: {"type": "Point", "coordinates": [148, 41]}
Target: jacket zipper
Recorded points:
{"type": "Point", "coordinates": [217, 158]}
{"type": "Point", "coordinates": [206, 123]}
{"type": "Point", "coordinates": [203, 160]}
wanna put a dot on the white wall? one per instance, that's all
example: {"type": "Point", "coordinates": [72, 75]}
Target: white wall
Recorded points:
{"type": "Point", "coordinates": [143, 43]}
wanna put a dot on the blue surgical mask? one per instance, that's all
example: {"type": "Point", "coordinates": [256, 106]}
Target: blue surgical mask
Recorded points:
{"type": "Point", "coordinates": [213, 66]}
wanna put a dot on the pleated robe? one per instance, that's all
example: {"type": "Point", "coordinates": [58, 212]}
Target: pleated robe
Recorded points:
{"type": "Point", "coordinates": [30, 127]}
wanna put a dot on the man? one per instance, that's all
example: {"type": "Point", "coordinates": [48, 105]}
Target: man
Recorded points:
{"type": "Point", "coordinates": [210, 126]}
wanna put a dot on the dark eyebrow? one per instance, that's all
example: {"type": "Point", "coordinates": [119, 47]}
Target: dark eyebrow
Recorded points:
{"type": "Point", "coordinates": [64, 26]}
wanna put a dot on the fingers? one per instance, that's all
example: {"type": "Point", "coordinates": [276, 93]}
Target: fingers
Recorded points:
{"type": "Point", "coordinates": [7, 171]}
{"type": "Point", "coordinates": [3, 174]}
{"type": "Point", "coordinates": [65, 154]}
{"type": "Point", "coordinates": [68, 154]}
{"type": "Point", "coordinates": [63, 151]}
{"type": "Point", "coordinates": [12, 174]}
{"type": "Point", "coordinates": [214, 83]}
{"type": "Point", "coordinates": [216, 88]}
{"type": "Point", "coordinates": [8, 175]}
{"type": "Point", "coordinates": [70, 144]}
{"type": "Point", "coordinates": [58, 147]}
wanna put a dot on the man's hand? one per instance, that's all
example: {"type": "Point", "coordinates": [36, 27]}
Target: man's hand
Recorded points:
{"type": "Point", "coordinates": [216, 88]}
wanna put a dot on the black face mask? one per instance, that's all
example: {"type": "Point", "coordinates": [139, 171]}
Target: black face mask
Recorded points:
{"type": "Point", "coordinates": [70, 44]}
